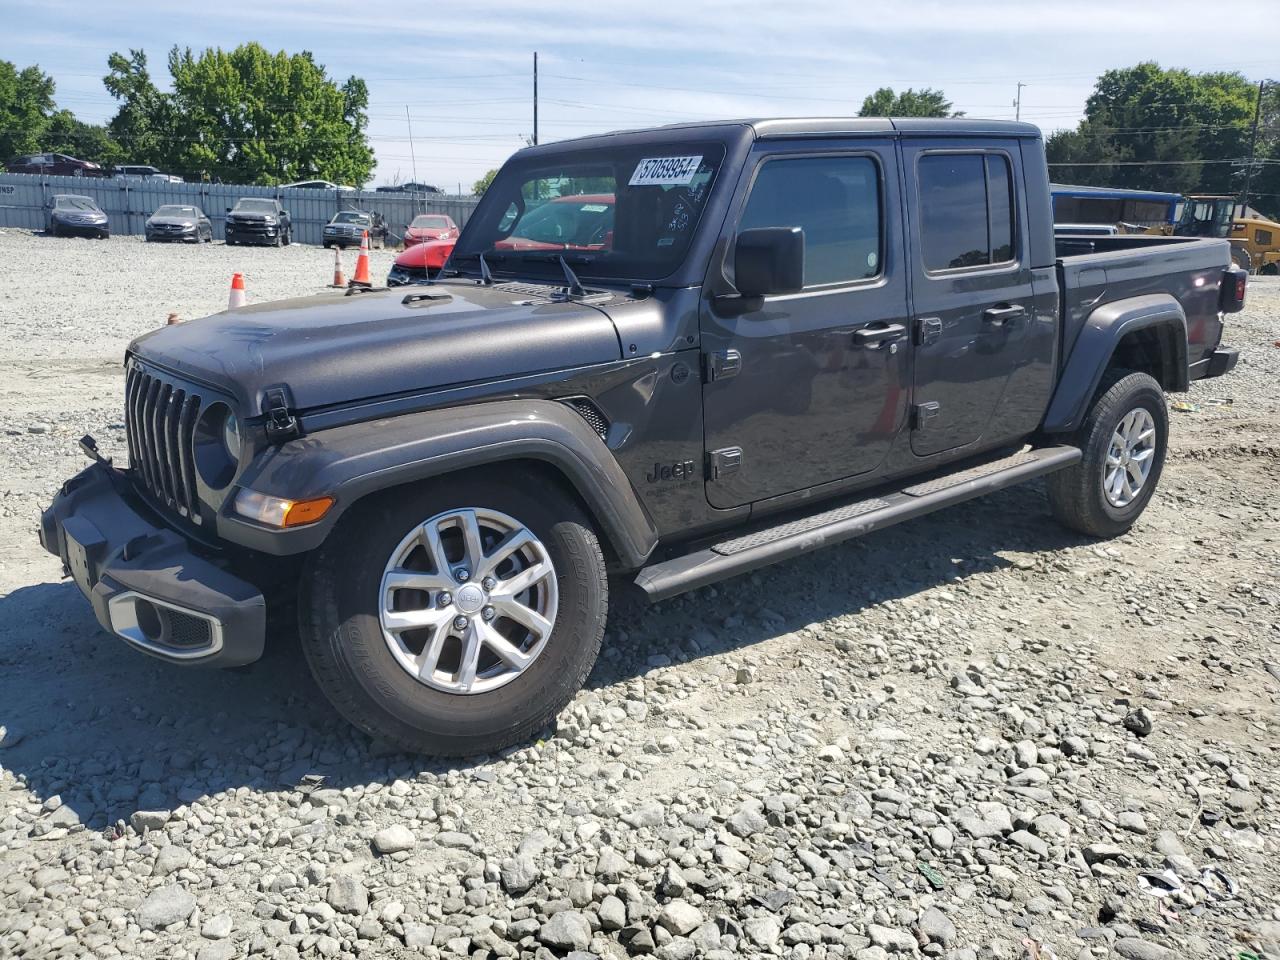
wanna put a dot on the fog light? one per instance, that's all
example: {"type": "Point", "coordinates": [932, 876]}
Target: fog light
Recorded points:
{"type": "Point", "coordinates": [279, 512]}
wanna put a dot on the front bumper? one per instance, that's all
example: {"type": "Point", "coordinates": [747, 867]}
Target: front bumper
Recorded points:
{"type": "Point", "coordinates": [254, 234]}
{"type": "Point", "coordinates": [145, 582]}
{"type": "Point", "coordinates": [1219, 363]}
{"type": "Point", "coordinates": [97, 230]}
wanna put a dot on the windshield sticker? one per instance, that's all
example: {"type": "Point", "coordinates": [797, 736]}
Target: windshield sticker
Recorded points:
{"type": "Point", "coordinates": [595, 208]}
{"type": "Point", "coordinates": [665, 171]}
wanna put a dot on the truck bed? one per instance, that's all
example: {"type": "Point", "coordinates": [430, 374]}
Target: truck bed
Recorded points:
{"type": "Point", "coordinates": [1095, 271]}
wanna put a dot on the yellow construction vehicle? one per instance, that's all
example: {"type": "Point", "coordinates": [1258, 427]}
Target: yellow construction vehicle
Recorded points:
{"type": "Point", "coordinates": [1261, 237]}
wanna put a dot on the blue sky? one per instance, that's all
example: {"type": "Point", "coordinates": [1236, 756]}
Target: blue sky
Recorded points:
{"type": "Point", "coordinates": [464, 70]}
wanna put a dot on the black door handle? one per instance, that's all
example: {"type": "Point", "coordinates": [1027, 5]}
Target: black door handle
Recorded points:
{"type": "Point", "coordinates": [1006, 313]}
{"type": "Point", "coordinates": [870, 336]}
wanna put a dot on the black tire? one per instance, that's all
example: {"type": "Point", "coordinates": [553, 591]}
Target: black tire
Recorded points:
{"type": "Point", "coordinates": [288, 236]}
{"type": "Point", "coordinates": [351, 660]}
{"type": "Point", "coordinates": [1076, 495]}
{"type": "Point", "coordinates": [326, 244]}
{"type": "Point", "coordinates": [229, 242]}
{"type": "Point", "coordinates": [1269, 269]}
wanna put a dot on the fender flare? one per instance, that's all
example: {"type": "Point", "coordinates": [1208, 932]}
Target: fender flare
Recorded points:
{"type": "Point", "coordinates": [351, 462]}
{"type": "Point", "coordinates": [1106, 327]}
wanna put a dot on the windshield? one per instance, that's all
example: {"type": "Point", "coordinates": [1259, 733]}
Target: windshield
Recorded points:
{"type": "Point", "coordinates": [430, 223]}
{"type": "Point", "coordinates": [351, 216]}
{"type": "Point", "coordinates": [614, 212]}
{"type": "Point", "coordinates": [77, 203]}
{"type": "Point", "coordinates": [175, 210]}
{"type": "Point", "coordinates": [256, 206]}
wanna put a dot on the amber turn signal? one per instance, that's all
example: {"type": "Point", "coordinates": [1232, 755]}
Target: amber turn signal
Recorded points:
{"type": "Point", "coordinates": [279, 512]}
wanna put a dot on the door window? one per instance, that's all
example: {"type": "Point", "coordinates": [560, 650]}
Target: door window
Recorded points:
{"type": "Point", "coordinates": [836, 201]}
{"type": "Point", "coordinates": [966, 210]}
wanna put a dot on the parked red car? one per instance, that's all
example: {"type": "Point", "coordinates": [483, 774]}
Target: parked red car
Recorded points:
{"type": "Point", "coordinates": [580, 222]}
{"type": "Point", "coordinates": [55, 164]}
{"type": "Point", "coordinates": [430, 226]}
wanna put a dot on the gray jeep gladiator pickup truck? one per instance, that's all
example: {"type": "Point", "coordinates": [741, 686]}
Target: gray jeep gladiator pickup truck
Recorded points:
{"type": "Point", "coordinates": [665, 357]}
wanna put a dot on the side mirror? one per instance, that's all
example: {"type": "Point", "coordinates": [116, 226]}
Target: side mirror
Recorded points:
{"type": "Point", "coordinates": [768, 261]}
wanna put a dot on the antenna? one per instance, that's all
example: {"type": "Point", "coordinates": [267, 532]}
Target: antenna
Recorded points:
{"type": "Point", "coordinates": [1017, 103]}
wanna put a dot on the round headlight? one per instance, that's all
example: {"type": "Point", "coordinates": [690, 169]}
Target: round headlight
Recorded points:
{"type": "Point", "coordinates": [218, 443]}
{"type": "Point", "coordinates": [231, 436]}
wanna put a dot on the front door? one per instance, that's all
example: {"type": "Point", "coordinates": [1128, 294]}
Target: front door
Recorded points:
{"type": "Point", "coordinates": [972, 293]}
{"type": "Point", "coordinates": [811, 387]}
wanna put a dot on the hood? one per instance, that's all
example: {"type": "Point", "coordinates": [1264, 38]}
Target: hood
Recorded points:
{"type": "Point", "coordinates": [167, 221]}
{"type": "Point", "coordinates": [335, 349]}
{"type": "Point", "coordinates": [429, 233]}
{"type": "Point", "coordinates": [67, 214]}
{"type": "Point", "coordinates": [249, 215]}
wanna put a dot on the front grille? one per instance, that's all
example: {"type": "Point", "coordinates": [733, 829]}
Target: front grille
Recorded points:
{"type": "Point", "coordinates": [160, 421]}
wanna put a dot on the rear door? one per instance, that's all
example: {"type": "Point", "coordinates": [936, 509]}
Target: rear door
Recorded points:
{"type": "Point", "coordinates": [972, 292]}
{"type": "Point", "coordinates": [810, 387]}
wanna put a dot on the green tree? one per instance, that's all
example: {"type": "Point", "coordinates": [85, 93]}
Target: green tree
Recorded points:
{"type": "Point", "coordinates": [66, 134]}
{"type": "Point", "coordinates": [480, 186]}
{"type": "Point", "coordinates": [926, 102]}
{"type": "Point", "coordinates": [145, 123]}
{"type": "Point", "coordinates": [244, 115]}
{"type": "Point", "coordinates": [1150, 128]}
{"type": "Point", "coordinates": [26, 102]}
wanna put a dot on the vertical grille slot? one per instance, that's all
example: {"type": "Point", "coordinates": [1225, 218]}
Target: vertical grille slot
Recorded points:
{"type": "Point", "coordinates": [160, 422]}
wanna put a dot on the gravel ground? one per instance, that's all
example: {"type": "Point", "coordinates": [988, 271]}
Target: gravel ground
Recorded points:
{"type": "Point", "coordinates": [974, 735]}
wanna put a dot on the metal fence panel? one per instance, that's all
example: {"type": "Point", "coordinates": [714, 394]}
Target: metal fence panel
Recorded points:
{"type": "Point", "coordinates": [128, 203]}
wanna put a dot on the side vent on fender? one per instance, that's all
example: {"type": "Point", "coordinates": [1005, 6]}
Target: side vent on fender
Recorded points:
{"type": "Point", "coordinates": [590, 413]}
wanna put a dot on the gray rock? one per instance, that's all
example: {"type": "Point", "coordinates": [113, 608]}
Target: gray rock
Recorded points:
{"type": "Point", "coordinates": [455, 840]}
{"type": "Point", "coordinates": [144, 820]}
{"type": "Point", "coordinates": [170, 859]}
{"type": "Point", "coordinates": [348, 895]}
{"type": "Point", "coordinates": [217, 928]}
{"type": "Point", "coordinates": [1139, 722]}
{"type": "Point", "coordinates": [566, 930]}
{"type": "Point", "coordinates": [941, 838]}
{"type": "Point", "coordinates": [763, 931]}
{"type": "Point", "coordinates": [647, 815]}
{"type": "Point", "coordinates": [165, 906]}
{"type": "Point", "coordinates": [1132, 821]}
{"type": "Point", "coordinates": [1029, 841]}
{"type": "Point", "coordinates": [418, 936]}
{"type": "Point", "coordinates": [1133, 948]}
{"type": "Point", "coordinates": [1102, 852]}
{"type": "Point", "coordinates": [612, 913]}
{"type": "Point", "coordinates": [679, 917]}
{"type": "Point", "coordinates": [611, 865]}
{"type": "Point", "coordinates": [937, 926]}
{"type": "Point", "coordinates": [891, 939]}
{"type": "Point", "coordinates": [394, 839]}
{"type": "Point", "coordinates": [802, 932]}
{"type": "Point", "coordinates": [747, 822]}
{"type": "Point", "coordinates": [218, 950]}
{"type": "Point", "coordinates": [518, 874]}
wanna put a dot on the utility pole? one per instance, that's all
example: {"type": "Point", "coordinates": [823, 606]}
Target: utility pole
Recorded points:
{"type": "Point", "coordinates": [535, 98]}
{"type": "Point", "coordinates": [1017, 103]}
{"type": "Point", "coordinates": [412, 158]}
{"type": "Point", "coordinates": [1253, 149]}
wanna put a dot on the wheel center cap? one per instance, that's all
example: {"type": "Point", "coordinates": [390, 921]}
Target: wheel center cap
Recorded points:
{"type": "Point", "coordinates": [469, 598]}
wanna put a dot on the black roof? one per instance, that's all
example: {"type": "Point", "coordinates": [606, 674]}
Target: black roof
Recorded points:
{"type": "Point", "coordinates": [777, 127]}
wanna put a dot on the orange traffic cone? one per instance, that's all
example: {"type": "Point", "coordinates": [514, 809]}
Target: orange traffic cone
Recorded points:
{"type": "Point", "coordinates": [237, 291]}
{"type": "Point", "coordinates": [361, 279]}
{"type": "Point", "coordinates": [339, 278]}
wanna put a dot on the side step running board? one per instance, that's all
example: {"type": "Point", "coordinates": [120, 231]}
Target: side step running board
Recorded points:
{"type": "Point", "coordinates": [729, 558]}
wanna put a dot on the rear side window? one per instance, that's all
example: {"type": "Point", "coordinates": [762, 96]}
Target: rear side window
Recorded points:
{"type": "Point", "coordinates": [1262, 237]}
{"type": "Point", "coordinates": [966, 210]}
{"type": "Point", "coordinates": [836, 201]}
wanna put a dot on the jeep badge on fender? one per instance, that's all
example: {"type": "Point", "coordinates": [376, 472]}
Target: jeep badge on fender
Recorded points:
{"type": "Point", "coordinates": [681, 470]}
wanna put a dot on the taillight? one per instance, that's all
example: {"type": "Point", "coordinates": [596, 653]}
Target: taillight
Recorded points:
{"type": "Point", "coordinates": [1235, 281]}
